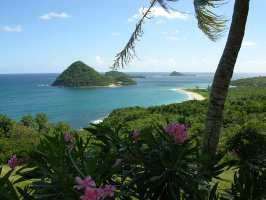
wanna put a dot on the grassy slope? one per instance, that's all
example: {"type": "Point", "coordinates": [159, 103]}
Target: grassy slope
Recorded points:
{"type": "Point", "coordinates": [250, 82]}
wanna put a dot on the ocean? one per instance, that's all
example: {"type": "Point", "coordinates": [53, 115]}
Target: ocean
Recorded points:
{"type": "Point", "coordinates": [22, 94]}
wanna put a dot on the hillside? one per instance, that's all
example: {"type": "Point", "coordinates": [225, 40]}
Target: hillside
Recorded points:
{"type": "Point", "coordinates": [250, 82]}
{"type": "Point", "coordinates": [120, 78]}
{"type": "Point", "coordinates": [79, 74]}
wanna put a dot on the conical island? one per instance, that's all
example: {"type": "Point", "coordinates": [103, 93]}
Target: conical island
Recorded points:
{"type": "Point", "coordinates": [79, 74]}
{"type": "Point", "coordinates": [175, 73]}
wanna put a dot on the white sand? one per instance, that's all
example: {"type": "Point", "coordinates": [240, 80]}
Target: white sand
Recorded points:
{"type": "Point", "coordinates": [191, 95]}
{"type": "Point", "coordinates": [114, 85]}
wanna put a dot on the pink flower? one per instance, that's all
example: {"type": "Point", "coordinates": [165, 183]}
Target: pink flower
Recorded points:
{"type": "Point", "coordinates": [90, 194]}
{"type": "Point", "coordinates": [109, 190]}
{"type": "Point", "coordinates": [135, 135]}
{"type": "Point", "coordinates": [177, 131]}
{"type": "Point", "coordinates": [13, 162]}
{"type": "Point", "coordinates": [83, 184]}
{"type": "Point", "coordinates": [106, 191]}
{"type": "Point", "coordinates": [68, 138]}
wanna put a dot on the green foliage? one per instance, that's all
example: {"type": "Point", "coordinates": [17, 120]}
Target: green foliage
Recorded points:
{"type": "Point", "coordinates": [41, 120]}
{"type": "Point", "coordinates": [248, 146]}
{"type": "Point", "coordinates": [62, 127]}
{"type": "Point", "coordinates": [21, 142]}
{"type": "Point", "coordinates": [243, 105]}
{"type": "Point", "coordinates": [7, 189]}
{"type": "Point", "coordinates": [121, 78]}
{"type": "Point", "coordinates": [250, 82]}
{"type": "Point", "coordinates": [6, 125]}
{"type": "Point", "coordinates": [28, 121]}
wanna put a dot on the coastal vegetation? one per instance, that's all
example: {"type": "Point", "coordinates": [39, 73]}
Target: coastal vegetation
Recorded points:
{"type": "Point", "coordinates": [133, 153]}
{"type": "Point", "coordinates": [79, 74]}
{"type": "Point", "coordinates": [120, 78]}
{"type": "Point", "coordinates": [250, 82]}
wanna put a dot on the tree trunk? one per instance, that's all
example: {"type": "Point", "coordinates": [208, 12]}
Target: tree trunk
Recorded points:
{"type": "Point", "coordinates": [223, 77]}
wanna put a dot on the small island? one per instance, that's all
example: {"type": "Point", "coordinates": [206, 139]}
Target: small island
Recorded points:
{"type": "Point", "coordinates": [79, 74]}
{"type": "Point", "coordinates": [175, 73]}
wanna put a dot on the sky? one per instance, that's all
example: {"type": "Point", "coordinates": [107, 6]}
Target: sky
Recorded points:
{"type": "Point", "coordinates": [46, 36]}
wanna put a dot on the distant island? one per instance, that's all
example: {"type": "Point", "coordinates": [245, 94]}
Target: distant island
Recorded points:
{"type": "Point", "coordinates": [175, 73]}
{"type": "Point", "coordinates": [79, 74]}
{"type": "Point", "coordinates": [250, 82]}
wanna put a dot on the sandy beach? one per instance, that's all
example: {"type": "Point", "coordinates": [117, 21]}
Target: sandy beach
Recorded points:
{"type": "Point", "coordinates": [191, 95]}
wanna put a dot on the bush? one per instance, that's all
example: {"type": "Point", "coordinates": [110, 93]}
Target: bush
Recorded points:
{"type": "Point", "coordinates": [6, 125]}
{"type": "Point", "coordinates": [29, 122]}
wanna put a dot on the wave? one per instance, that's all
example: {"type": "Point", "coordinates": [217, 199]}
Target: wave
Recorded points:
{"type": "Point", "coordinates": [43, 85]}
{"type": "Point", "coordinates": [99, 120]}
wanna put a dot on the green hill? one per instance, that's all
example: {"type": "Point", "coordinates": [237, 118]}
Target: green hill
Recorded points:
{"type": "Point", "coordinates": [79, 74]}
{"type": "Point", "coordinates": [250, 82]}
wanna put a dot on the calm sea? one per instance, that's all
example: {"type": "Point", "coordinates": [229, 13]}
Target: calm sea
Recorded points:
{"type": "Point", "coordinates": [31, 93]}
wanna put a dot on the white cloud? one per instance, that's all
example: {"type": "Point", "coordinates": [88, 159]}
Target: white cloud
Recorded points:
{"type": "Point", "coordinates": [249, 44]}
{"type": "Point", "coordinates": [160, 12]}
{"type": "Point", "coordinates": [55, 15]}
{"type": "Point", "coordinates": [16, 29]}
{"type": "Point", "coordinates": [133, 18]}
{"type": "Point", "coordinates": [99, 60]}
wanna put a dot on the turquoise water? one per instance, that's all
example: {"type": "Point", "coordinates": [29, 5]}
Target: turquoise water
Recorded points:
{"type": "Point", "coordinates": [32, 93]}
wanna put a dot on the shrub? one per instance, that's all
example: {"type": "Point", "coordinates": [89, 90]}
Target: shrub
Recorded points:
{"type": "Point", "coordinates": [6, 125]}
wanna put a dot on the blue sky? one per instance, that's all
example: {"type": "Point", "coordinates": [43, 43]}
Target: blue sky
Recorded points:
{"type": "Point", "coordinates": [40, 36]}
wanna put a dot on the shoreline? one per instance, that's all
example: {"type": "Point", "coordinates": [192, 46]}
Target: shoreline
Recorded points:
{"type": "Point", "coordinates": [191, 95]}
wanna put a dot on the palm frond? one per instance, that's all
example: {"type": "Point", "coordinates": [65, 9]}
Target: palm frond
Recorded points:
{"type": "Point", "coordinates": [128, 52]}
{"type": "Point", "coordinates": [209, 23]}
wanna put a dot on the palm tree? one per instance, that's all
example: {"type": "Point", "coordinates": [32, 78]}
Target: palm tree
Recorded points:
{"type": "Point", "coordinates": [223, 77]}
{"type": "Point", "coordinates": [213, 26]}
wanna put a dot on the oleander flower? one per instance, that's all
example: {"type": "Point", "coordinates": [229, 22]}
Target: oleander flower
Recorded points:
{"type": "Point", "coordinates": [177, 131]}
{"type": "Point", "coordinates": [13, 162]}
{"type": "Point", "coordinates": [68, 138]}
{"type": "Point", "coordinates": [135, 135]}
{"type": "Point", "coordinates": [109, 190]}
{"type": "Point", "coordinates": [85, 183]}
{"type": "Point", "coordinates": [90, 194]}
